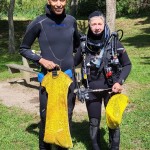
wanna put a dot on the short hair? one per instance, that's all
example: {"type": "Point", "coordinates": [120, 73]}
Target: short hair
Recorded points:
{"type": "Point", "coordinates": [96, 14]}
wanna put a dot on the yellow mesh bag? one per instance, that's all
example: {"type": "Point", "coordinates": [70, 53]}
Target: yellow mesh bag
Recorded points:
{"type": "Point", "coordinates": [115, 109]}
{"type": "Point", "coordinates": [57, 125]}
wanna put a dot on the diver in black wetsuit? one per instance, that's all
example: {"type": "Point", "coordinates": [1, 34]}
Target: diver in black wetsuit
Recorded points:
{"type": "Point", "coordinates": [103, 68]}
{"type": "Point", "coordinates": [57, 36]}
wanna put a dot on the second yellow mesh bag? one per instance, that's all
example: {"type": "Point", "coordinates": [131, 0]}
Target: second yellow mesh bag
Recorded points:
{"type": "Point", "coordinates": [115, 109]}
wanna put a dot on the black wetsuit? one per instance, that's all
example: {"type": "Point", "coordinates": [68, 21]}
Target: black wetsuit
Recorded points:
{"type": "Point", "coordinates": [94, 103]}
{"type": "Point", "coordinates": [57, 36]}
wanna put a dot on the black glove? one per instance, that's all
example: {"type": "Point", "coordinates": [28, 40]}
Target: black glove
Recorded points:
{"type": "Point", "coordinates": [82, 94]}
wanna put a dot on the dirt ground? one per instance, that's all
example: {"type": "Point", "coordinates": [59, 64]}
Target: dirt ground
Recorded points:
{"type": "Point", "coordinates": [15, 92]}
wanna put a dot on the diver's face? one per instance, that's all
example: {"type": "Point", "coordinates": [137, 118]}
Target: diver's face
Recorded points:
{"type": "Point", "coordinates": [57, 6]}
{"type": "Point", "coordinates": [97, 24]}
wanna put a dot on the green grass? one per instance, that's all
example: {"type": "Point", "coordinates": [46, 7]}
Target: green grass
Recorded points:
{"type": "Point", "coordinates": [5, 57]}
{"type": "Point", "coordinates": [135, 127]}
{"type": "Point", "coordinates": [18, 129]}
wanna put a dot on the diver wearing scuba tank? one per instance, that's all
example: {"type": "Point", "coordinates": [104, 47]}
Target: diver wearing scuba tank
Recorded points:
{"type": "Point", "coordinates": [106, 65]}
{"type": "Point", "coordinates": [104, 60]}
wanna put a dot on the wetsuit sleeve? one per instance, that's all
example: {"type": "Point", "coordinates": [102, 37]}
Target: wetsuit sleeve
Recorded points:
{"type": "Point", "coordinates": [31, 34]}
{"type": "Point", "coordinates": [126, 64]}
{"type": "Point", "coordinates": [76, 37]}
{"type": "Point", "coordinates": [78, 57]}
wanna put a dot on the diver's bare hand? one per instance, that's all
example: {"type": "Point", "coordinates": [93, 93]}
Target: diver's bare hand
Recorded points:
{"type": "Point", "coordinates": [117, 88]}
{"type": "Point", "coordinates": [47, 64]}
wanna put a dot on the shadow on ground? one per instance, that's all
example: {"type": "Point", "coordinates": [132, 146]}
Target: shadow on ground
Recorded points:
{"type": "Point", "coordinates": [145, 60]}
{"type": "Point", "coordinates": [140, 40]}
{"type": "Point", "coordinates": [80, 134]}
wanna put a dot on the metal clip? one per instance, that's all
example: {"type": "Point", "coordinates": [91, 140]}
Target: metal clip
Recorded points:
{"type": "Point", "coordinates": [54, 73]}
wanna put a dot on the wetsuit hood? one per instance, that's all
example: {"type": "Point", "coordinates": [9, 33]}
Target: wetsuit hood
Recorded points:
{"type": "Point", "coordinates": [96, 42]}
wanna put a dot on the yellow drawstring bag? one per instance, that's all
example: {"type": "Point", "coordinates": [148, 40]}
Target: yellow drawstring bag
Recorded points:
{"type": "Point", "coordinates": [115, 109]}
{"type": "Point", "coordinates": [57, 124]}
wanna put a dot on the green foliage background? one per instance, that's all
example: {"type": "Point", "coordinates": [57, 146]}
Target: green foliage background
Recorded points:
{"type": "Point", "coordinates": [30, 9]}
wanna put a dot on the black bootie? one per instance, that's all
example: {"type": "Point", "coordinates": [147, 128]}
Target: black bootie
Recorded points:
{"type": "Point", "coordinates": [114, 139]}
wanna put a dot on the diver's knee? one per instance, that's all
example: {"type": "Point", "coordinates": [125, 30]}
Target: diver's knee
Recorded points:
{"type": "Point", "coordinates": [94, 127]}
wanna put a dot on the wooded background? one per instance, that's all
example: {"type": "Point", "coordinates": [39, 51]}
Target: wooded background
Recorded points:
{"type": "Point", "coordinates": [27, 10]}
{"type": "Point", "coordinates": [78, 8]}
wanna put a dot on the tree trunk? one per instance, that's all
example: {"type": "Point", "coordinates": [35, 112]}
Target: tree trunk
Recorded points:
{"type": "Point", "coordinates": [11, 27]}
{"type": "Point", "coordinates": [73, 7]}
{"type": "Point", "coordinates": [111, 14]}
